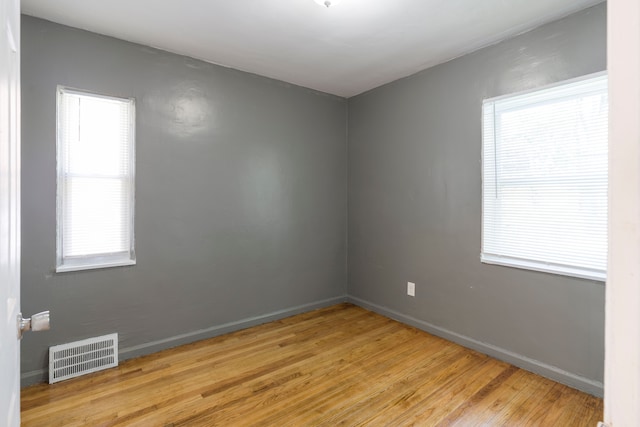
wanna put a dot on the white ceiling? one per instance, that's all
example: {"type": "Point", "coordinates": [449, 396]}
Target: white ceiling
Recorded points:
{"type": "Point", "coordinates": [346, 49]}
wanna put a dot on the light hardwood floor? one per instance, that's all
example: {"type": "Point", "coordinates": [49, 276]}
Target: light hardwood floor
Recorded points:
{"type": "Point", "coordinates": [340, 365]}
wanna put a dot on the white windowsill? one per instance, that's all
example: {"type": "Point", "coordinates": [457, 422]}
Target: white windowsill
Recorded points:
{"type": "Point", "coordinates": [93, 266]}
{"type": "Point", "coordinates": [544, 267]}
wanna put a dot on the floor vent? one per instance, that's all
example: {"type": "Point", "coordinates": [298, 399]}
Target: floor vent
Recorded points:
{"type": "Point", "coordinates": [82, 357]}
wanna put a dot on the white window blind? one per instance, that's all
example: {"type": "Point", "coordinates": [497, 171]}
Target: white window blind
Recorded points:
{"type": "Point", "coordinates": [545, 179]}
{"type": "Point", "coordinates": [95, 181]}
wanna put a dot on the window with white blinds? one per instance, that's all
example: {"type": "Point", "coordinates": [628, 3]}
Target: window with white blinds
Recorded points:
{"type": "Point", "coordinates": [544, 187]}
{"type": "Point", "coordinates": [95, 196]}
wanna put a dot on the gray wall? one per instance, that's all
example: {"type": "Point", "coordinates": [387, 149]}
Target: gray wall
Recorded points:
{"type": "Point", "coordinates": [242, 202]}
{"type": "Point", "coordinates": [240, 197]}
{"type": "Point", "coordinates": [414, 209]}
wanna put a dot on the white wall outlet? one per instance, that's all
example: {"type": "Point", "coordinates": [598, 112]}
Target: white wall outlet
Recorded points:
{"type": "Point", "coordinates": [411, 289]}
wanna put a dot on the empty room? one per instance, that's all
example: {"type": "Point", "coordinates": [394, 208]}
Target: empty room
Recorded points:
{"type": "Point", "coordinates": [315, 212]}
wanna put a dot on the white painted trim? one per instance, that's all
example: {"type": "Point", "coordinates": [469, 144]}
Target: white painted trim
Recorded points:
{"type": "Point", "coordinates": [41, 375]}
{"type": "Point", "coordinates": [544, 267]}
{"type": "Point", "coordinates": [576, 381]}
{"type": "Point", "coordinates": [545, 87]}
{"type": "Point", "coordinates": [622, 302]}
{"type": "Point", "coordinates": [66, 263]}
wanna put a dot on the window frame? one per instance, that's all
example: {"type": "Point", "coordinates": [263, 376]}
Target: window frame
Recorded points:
{"type": "Point", "coordinates": [102, 260]}
{"type": "Point", "coordinates": [516, 102]}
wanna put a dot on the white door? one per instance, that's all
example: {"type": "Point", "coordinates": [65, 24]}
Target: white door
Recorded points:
{"type": "Point", "coordinates": [9, 212]}
{"type": "Point", "coordinates": [622, 299]}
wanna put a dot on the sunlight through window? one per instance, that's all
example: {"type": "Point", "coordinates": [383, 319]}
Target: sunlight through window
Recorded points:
{"type": "Point", "coordinates": [545, 179]}
{"type": "Point", "coordinates": [95, 181]}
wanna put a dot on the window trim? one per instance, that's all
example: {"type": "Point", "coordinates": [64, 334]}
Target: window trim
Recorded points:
{"type": "Point", "coordinates": [103, 260]}
{"type": "Point", "coordinates": [546, 87]}
{"type": "Point", "coordinates": [516, 262]}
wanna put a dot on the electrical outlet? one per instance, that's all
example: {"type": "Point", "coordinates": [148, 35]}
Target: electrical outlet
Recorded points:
{"type": "Point", "coordinates": [411, 289]}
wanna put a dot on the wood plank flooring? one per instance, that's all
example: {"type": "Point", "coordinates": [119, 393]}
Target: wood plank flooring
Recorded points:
{"type": "Point", "coordinates": [340, 365]}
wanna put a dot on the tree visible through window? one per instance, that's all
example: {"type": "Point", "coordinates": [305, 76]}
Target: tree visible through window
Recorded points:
{"type": "Point", "coordinates": [545, 179]}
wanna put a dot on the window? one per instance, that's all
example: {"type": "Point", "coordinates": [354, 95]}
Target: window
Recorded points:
{"type": "Point", "coordinates": [95, 198]}
{"type": "Point", "coordinates": [544, 164]}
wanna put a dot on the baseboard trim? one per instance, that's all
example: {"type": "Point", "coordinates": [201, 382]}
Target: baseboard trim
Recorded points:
{"type": "Point", "coordinates": [595, 388]}
{"type": "Point", "coordinates": [42, 375]}
{"type": "Point", "coordinates": [587, 385]}
{"type": "Point", "coordinates": [34, 377]}
{"type": "Point", "coordinates": [225, 328]}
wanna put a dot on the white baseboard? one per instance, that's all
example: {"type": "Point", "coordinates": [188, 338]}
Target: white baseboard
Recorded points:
{"type": "Point", "coordinates": [42, 375]}
{"type": "Point", "coordinates": [587, 385]}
